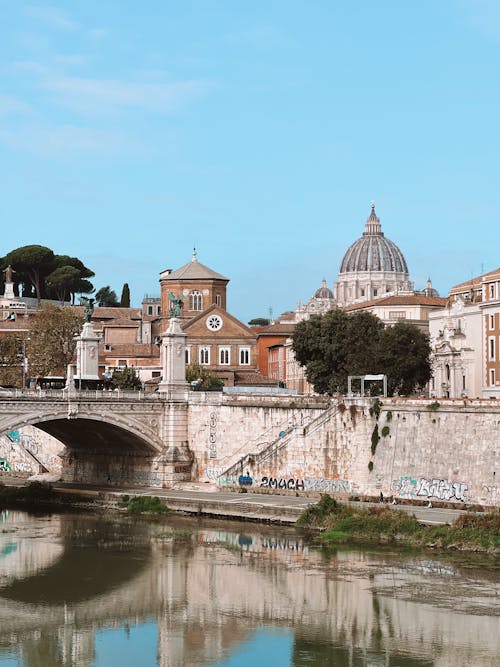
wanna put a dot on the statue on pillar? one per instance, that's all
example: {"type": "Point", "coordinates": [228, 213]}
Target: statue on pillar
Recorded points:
{"type": "Point", "coordinates": [176, 304]}
{"type": "Point", "coordinates": [89, 307]}
{"type": "Point", "coordinates": [8, 273]}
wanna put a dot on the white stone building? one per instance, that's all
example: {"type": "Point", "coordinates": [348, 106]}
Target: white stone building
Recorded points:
{"type": "Point", "coordinates": [465, 340]}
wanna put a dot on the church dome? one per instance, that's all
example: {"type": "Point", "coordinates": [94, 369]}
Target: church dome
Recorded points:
{"type": "Point", "coordinates": [373, 251]}
{"type": "Point", "coordinates": [323, 292]}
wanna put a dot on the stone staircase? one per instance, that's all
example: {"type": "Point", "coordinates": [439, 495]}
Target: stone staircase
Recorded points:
{"type": "Point", "coordinates": [22, 458]}
{"type": "Point", "coordinates": [286, 436]}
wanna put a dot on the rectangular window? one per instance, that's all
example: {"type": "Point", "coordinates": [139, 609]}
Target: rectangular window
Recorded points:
{"type": "Point", "coordinates": [492, 321]}
{"type": "Point", "coordinates": [492, 349]}
{"type": "Point", "coordinates": [187, 355]}
{"type": "Point", "coordinates": [244, 356]}
{"type": "Point", "coordinates": [150, 310]}
{"type": "Point", "coordinates": [492, 290]}
{"type": "Point", "coordinates": [397, 315]}
{"type": "Point", "coordinates": [463, 382]}
{"type": "Point", "coordinates": [224, 356]}
{"type": "Point", "coordinates": [122, 362]}
{"type": "Point", "coordinates": [204, 356]}
{"type": "Point", "coordinates": [375, 292]}
{"type": "Point", "coordinates": [218, 300]}
{"type": "Point", "coordinates": [156, 374]}
{"type": "Point", "coordinates": [492, 377]}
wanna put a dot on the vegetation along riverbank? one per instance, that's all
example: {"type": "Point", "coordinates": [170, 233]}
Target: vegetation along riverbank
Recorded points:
{"type": "Point", "coordinates": [342, 523]}
{"type": "Point", "coordinates": [328, 522]}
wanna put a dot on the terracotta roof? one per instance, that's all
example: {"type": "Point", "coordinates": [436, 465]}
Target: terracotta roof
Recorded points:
{"type": "Point", "coordinates": [400, 300]}
{"type": "Point", "coordinates": [278, 329]}
{"type": "Point", "coordinates": [194, 270]}
{"type": "Point", "coordinates": [475, 281]}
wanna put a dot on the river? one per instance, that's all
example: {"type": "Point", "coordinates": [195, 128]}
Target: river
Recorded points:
{"type": "Point", "coordinates": [105, 590]}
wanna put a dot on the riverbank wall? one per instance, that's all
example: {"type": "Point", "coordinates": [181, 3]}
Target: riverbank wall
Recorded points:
{"type": "Point", "coordinates": [412, 449]}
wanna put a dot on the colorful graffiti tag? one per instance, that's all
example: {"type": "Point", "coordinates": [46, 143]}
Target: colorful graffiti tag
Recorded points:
{"type": "Point", "coordinates": [5, 465]}
{"type": "Point", "coordinates": [441, 489]}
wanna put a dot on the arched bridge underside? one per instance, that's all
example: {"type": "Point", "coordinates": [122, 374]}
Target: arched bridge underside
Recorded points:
{"type": "Point", "coordinates": [107, 442]}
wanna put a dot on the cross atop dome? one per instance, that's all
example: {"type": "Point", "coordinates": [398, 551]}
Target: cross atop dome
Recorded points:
{"type": "Point", "coordinates": [194, 258]}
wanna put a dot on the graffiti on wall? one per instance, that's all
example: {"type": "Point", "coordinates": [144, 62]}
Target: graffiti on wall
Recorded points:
{"type": "Point", "coordinates": [405, 487]}
{"type": "Point", "coordinates": [328, 485]}
{"type": "Point", "coordinates": [282, 483]}
{"type": "Point", "coordinates": [318, 484]}
{"type": "Point", "coordinates": [212, 437]}
{"type": "Point", "coordinates": [5, 465]}
{"type": "Point", "coordinates": [441, 489]}
{"type": "Point", "coordinates": [213, 474]}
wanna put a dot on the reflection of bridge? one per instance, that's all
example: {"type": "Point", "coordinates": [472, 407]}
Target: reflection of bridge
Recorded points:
{"type": "Point", "coordinates": [203, 606]}
{"type": "Point", "coordinates": [109, 436]}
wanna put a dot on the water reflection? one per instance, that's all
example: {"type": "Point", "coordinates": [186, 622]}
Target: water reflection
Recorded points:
{"type": "Point", "coordinates": [75, 589]}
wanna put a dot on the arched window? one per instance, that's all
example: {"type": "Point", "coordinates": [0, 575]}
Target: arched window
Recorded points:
{"type": "Point", "coordinates": [195, 300]}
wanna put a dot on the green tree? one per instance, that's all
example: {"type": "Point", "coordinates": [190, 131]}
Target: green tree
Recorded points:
{"type": "Point", "coordinates": [259, 322]}
{"type": "Point", "coordinates": [126, 379]}
{"type": "Point", "coordinates": [125, 298]}
{"type": "Point", "coordinates": [405, 357]}
{"type": "Point", "coordinates": [106, 297]}
{"type": "Point", "coordinates": [336, 345]}
{"type": "Point", "coordinates": [205, 380]}
{"type": "Point", "coordinates": [62, 281]}
{"type": "Point", "coordinates": [80, 285]}
{"type": "Point", "coordinates": [339, 344]}
{"type": "Point", "coordinates": [11, 360]}
{"type": "Point", "coordinates": [52, 344]}
{"type": "Point", "coordinates": [32, 264]}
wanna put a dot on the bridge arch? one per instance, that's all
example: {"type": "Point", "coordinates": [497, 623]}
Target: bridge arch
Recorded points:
{"type": "Point", "coordinates": [93, 431]}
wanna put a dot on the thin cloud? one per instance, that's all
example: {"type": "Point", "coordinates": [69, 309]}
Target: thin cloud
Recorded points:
{"type": "Point", "coordinates": [10, 104]}
{"type": "Point", "coordinates": [67, 141]}
{"type": "Point", "coordinates": [97, 33]}
{"type": "Point", "coordinates": [95, 96]}
{"type": "Point", "coordinates": [53, 17]}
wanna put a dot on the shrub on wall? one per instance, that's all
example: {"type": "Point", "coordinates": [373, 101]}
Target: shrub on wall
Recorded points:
{"type": "Point", "coordinates": [375, 439]}
{"type": "Point", "coordinates": [385, 431]}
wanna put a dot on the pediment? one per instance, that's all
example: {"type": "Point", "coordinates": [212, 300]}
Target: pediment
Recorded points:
{"type": "Point", "coordinates": [217, 322]}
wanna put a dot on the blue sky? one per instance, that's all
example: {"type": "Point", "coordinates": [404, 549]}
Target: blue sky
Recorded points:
{"type": "Point", "coordinates": [257, 130]}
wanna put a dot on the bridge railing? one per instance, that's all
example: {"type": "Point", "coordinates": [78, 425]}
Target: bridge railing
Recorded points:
{"type": "Point", "coordinates": [77, 395]}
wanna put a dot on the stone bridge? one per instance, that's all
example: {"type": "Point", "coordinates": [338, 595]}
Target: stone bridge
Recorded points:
{"type": "Point", "coordinates": [110, 437]}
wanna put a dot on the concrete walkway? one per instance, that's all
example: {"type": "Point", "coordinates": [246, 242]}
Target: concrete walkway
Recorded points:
{"type": "Point", "coordinates": [207, 500]}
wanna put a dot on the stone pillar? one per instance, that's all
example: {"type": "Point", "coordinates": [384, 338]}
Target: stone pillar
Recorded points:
{"type": "Point", "coordinates": [177, 458]}
{"type": "Point", "coordinates": [9, 291]}
{"type": "Point", "coordinates": [87, 354]}
{"type": "Point", "coordinates": [173, 346]}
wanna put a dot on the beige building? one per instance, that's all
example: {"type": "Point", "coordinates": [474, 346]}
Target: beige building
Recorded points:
{"type": "Point", "coordinates": [465, 339]}
{"type": "Point", "coordinates": [414, 308]}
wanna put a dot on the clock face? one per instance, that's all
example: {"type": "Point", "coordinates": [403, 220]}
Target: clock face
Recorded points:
{"type": "Point", "coordinates": [214, 322]}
